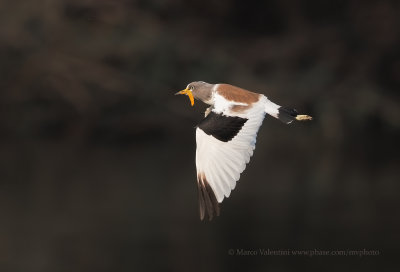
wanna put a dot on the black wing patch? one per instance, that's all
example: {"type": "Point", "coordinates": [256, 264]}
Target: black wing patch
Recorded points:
{"type": "Point", "coordinates": [222, 127]}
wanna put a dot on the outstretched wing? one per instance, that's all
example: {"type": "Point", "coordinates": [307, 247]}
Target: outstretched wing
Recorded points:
{"type": "Point", "coordinates": [225, 142]}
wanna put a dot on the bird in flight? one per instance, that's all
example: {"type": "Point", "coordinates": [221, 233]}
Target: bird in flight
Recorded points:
{"type": "Point", "coordinates": [226, 137]}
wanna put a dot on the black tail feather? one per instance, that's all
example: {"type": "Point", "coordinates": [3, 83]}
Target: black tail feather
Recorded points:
{"type": "Point", "coordinates": [287, 115]}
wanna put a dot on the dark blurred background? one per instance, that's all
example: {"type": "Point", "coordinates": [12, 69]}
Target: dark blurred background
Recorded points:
{"type": "Point", "coordinates": [97, 169]}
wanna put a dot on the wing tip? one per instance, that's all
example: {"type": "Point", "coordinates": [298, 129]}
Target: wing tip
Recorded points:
{"type": "Point", "coordinates": [208, 203]}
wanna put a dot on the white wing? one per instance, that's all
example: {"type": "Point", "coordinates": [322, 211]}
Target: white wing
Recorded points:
{"type": "Point", "coordinates": [219, 163]}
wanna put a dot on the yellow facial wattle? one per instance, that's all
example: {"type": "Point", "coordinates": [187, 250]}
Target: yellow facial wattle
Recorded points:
{"type": "Point", "coordinates": [188, 93]}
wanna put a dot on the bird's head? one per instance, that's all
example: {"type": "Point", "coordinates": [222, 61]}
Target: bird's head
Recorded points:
{"type": "Point", "coordinates": [198, 90]}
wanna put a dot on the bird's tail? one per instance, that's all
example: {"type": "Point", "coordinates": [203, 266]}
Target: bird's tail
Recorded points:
{"type": "Point", "coordinates": [284, 114]}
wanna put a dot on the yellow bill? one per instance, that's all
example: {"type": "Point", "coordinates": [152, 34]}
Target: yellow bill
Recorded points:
{"type": "Point", "coordinates": [188, 93]}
